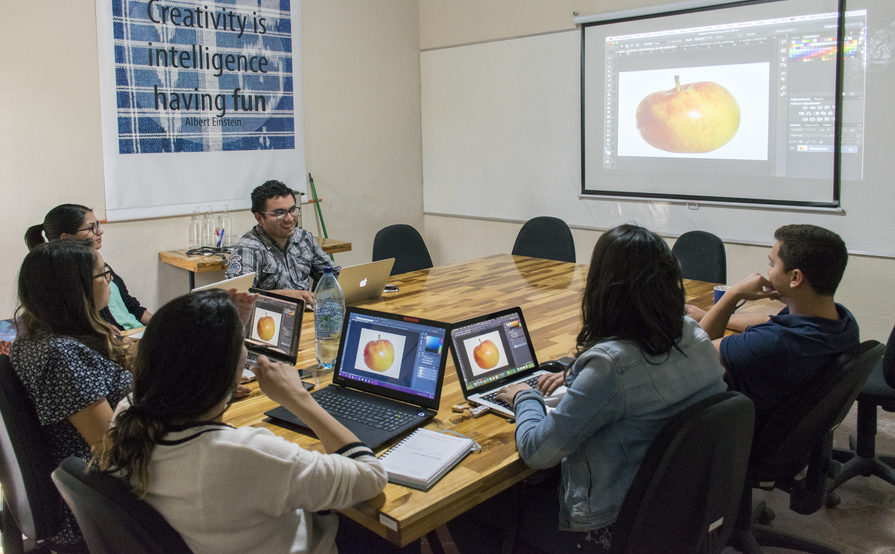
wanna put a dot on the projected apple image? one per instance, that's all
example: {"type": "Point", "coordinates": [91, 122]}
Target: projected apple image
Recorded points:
{"type": "Point", "coordinates": [705, 112]}
{"type": "Point", "coordinates": [267, 326]}
{"type": "Point", "coordinates": [379, 353]}
{"type": "Point", "coordinates": [485, 353]}
{"type": "Point", "coordinates": [695, 117]}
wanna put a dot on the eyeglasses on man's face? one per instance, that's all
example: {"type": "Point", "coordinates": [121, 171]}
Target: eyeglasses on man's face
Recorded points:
{"type": "Point", "coordinates": [93, 228]}
{"type": "Point", "coordinates": [281, 214]}
{"type": "Point", "coordinates": [106, 275]}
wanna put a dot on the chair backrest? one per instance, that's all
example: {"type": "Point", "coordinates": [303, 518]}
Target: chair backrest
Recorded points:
{"type": "Point", "coordinates": [404, 244]}
{"type": "Point", "coordinates": [26, 461]}
{"type": "Point", "coordinates": [111, 518]}
{"type": "Point", "coordinates": [889, 360]}
{"type": "Point", "coordinates": [785, 441]}
{"type": "Point", "coordinates": [685, 495]}
{"type": "Point", "coordinates": [545, 237]}
{"type": "Point", "coordinates": [702, 256]}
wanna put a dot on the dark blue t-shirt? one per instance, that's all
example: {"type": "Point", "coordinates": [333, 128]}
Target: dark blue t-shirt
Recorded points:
{"type": "Point", "coordinates": [771, 361]}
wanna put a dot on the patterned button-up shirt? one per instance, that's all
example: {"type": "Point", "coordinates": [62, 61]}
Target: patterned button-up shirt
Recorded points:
{"type": "Point", "coordinates": [279, 268]}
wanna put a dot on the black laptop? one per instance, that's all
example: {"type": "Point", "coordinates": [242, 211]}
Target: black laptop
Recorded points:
{"type": "Point", "coordinates": [274, 329]}
{"type": "Point", "coordinates": [387, 377]}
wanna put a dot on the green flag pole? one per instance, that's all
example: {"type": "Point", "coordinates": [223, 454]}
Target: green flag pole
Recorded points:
{"type": "Point", "coordinates": [319, 210]}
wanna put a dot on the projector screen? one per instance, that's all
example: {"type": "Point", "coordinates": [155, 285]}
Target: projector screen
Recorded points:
{"type": "Point", "coordinates": [732, 104]}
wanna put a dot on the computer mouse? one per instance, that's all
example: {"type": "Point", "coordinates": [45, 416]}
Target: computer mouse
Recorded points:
{"type": "Point", "coordinates": [553, 366]}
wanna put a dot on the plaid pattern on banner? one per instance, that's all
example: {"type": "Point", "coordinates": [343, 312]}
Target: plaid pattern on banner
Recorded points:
{"type": "Point", "coordinates": [203, 76]}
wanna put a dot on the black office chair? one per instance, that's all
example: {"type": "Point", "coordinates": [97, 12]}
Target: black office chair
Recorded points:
{"type": "Point", "coordinates": [404, 244]}
{"type": "Point", "coordinates": [798, 434]}
{"type": "Point", "coordinates": [545, 237]}
{"type": "Point", "coordinates": [861, 457]}
{"type": "Point", "coordinates": [31, 505]}
{"type": "Point", "coordinates": [111, 518]}
{"type": "Point", "coordinates": [702, 256]}
{"type": "Point", "coordinates": [686, 492]}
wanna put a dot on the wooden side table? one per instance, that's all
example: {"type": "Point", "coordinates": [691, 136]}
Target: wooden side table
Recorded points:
{"type": "Point", "coordinates": [217, 262]}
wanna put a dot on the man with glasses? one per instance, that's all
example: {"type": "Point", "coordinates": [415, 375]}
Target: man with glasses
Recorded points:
{"type": "Point", "coordinates": [282, 257]}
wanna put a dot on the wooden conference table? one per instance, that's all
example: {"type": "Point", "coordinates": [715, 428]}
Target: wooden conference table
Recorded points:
{"type": "Point", "coordinates": [217, 262]}
{"type": "Point", "coordinates": [549, 293]}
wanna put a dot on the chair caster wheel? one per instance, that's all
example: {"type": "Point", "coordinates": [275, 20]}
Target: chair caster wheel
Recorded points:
{"type": "Point", "coordinates": [832, 500]}
{"type": "Point", "coordinates": [766, 516]}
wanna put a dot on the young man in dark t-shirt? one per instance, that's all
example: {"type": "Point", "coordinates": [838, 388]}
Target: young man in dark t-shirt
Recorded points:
{"type": "Point", "coordinates": [775, 356]}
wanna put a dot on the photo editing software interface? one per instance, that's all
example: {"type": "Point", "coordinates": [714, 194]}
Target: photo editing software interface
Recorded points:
{"type": "Point", "coordinates": [272, 325]}
{"type": "Point", "coordinates": [492, 350]}
{"type": "Point", "coordinates": [403, 355]}
{"type": "Point", "coordinates": [782, 69]}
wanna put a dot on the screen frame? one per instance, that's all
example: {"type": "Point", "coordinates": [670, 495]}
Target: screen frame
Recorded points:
{"type": "Point", "coordinates": [517, 310]}
{"type": "Point", "coordinates": [296, 331]}
{"type": "Point", "coordinates": [835, 202]}
{"type": "Point", "coordinates": [431, 403]}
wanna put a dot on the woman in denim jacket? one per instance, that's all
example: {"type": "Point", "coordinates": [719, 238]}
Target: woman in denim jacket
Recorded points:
{"type": "Point", "coordinates": [640, 361]}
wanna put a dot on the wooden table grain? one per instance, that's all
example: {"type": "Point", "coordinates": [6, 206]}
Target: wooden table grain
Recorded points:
{"type": "Point", "coordinates": [549, 294]}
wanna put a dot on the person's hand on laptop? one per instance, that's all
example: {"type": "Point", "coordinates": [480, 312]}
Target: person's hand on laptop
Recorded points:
{"type": "Point", "coordinates": [242, 391]}
{"type": "Point", "coordinates": [244, 302]}
{"type": "Point", "coordinates": [508, 394]}
{"type": "Point", "coordinates": [305, 295]}
{"type": "Point", "coordinates": [549, 382]}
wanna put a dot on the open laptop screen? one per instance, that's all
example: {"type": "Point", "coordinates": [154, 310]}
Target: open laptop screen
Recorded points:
{"type": "Point", "coordinates": [275, 324]}
{"type": "Point", "coordinates": [492, 348]}
{"type": "Point", "coordinates": [405, 355]}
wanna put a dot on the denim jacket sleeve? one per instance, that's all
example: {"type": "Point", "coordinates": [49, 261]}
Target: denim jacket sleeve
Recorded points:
{"type": "Point", "coordinates": [593, 400]}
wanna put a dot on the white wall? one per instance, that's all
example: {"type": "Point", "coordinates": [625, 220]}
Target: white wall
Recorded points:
{"type": "Point", "coordinates": [362, 133]}
{"type": "Point", "coordinates": [868, 288]}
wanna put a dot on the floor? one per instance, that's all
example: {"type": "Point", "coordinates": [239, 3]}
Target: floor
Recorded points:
{"type": "Point", "coordinates": [864, 523]}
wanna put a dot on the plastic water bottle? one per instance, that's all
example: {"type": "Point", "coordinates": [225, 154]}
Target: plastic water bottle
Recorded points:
{"type": "Point", "coordinates": [329, 310]}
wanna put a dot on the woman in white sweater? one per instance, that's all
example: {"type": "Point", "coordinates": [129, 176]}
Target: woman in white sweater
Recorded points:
{"type": "Point", "coordinates": [226, 489]}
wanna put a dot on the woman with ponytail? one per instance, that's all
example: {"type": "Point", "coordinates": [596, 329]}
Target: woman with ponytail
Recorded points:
{"type": "Point", "coordinates": [76, 221]}
{"type": "Point", "coordinates": [225, 489]}
{"type": "Point", "coordinates": [66, 356]}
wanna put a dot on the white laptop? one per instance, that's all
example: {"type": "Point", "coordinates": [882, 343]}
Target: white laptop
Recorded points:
{"type": "Point", "coordinates": [241, 283]}
{"type": "Point", "coordinates": [365, 281]}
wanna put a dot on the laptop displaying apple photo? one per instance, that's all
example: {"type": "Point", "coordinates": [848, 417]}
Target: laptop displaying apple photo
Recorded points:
{"type": "Point", "coordinates": [491, 352]}
{"type": "Point", "coordinates": [274, 329]}
{"type": "Point", "coordinates": [365, 281]}
{"type": "Point", "coordinates": [387, 376]}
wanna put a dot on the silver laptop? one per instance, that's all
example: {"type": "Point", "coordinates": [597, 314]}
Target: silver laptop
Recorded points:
{"type": "Point", "coordinates": [365, 281]}
{"type": "Point", "coordinates": [491, 352]}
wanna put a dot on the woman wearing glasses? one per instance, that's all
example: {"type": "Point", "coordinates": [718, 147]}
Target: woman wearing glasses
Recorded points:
{"type": "Point", "coordinates": [75, 221]}
{"type": "Point", "coordinates": [66, 356]}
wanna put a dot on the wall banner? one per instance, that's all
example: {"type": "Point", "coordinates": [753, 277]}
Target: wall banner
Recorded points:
{"type": "Point", "coordinates": [200, 100]}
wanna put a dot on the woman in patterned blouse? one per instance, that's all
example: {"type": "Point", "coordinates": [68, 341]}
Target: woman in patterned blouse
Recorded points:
{"type": "Point", "coordinates": [65, 356]}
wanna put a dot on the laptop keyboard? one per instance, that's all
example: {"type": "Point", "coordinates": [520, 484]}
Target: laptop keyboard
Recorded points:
{"type": "Point", "coordinates": [357, 410]}
{"type": "Point", "coordinates": [492, 396]}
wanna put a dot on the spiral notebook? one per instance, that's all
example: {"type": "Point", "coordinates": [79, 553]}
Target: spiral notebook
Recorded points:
{"type": "Point", "coordinates": [424, 457]}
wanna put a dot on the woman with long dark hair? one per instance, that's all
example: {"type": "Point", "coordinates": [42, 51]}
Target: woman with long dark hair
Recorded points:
{"type": "Point", "coordinates": [226, 489]}
{"type": "Point", "coordinates": [639, 362]}
{"type": "Point", "coordinates": [66, 356]}
{"type": "Point", "coordinates": [76, 221]}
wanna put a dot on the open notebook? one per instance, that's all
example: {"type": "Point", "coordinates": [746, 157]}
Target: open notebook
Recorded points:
{"type": "Point", "coordinates": [424, 457]}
